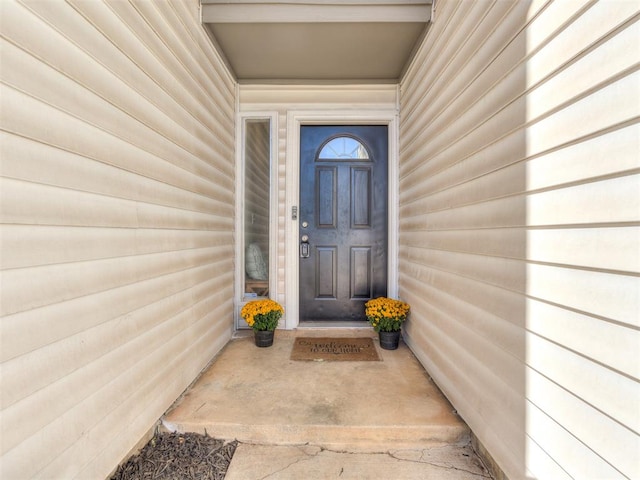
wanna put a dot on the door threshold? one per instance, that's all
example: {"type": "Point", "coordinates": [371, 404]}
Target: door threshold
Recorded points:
{"type": "Point", "coordinates": [334, 324]}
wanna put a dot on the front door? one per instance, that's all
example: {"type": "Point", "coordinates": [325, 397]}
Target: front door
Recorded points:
{"type": "Point", "coordinates": [343, 220]}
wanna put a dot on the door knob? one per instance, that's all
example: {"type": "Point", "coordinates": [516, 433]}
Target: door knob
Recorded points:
{"type": "Point", "coordinates": [304, 246]}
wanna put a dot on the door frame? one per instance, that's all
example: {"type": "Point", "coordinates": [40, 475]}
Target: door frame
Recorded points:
{"type": "Point", "coordinates": [295, 119]}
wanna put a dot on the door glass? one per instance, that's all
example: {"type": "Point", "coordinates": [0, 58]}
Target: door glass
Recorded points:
{"type": "Point", "coordinates": [257, 160]}
{"type": "Point", "coordinates": [343, 148]}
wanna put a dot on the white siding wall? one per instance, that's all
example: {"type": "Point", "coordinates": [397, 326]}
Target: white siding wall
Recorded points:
{"type": "Point", "coordinates": [519, 228]}
{"type": "Point", "coordinates": [117, 208]}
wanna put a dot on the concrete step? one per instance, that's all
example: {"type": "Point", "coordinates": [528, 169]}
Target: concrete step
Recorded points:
{"type": "Point", "coordinates": [260, 396]}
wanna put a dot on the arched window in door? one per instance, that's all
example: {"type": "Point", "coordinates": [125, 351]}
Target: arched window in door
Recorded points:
{"type": "Point", "coordinates": [343, 148]}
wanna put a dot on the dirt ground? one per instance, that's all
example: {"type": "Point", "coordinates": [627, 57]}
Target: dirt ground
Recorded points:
{"type": "Point", "coordinates": [172, 456]}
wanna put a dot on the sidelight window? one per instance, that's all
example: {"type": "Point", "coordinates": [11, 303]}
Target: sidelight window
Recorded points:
{"type": "Point", "coordinates": [256, 206]}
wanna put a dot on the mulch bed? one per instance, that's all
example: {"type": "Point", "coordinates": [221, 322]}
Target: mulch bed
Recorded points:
{"type": "Point", "coordinates": [171, 456]}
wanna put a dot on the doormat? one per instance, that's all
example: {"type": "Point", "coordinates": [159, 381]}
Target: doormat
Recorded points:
{"type": "Point", "coordinates": [334, 349]}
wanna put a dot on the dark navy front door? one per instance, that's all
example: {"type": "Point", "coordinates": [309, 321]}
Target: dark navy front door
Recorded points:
{"type": "Point", "coordinates": [343, 220]}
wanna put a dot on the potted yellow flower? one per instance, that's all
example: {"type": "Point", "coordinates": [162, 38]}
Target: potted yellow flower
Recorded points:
{"type": "Point", "coordinates": [262, 316]}
{"type": "Point", "coordinates": [386, 316]}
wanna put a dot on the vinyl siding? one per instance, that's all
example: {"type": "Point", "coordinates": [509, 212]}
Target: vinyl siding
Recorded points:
{"type": "Point", "coordinates": [519, 228]}
{"type": "Point", "coordinates": [117, 185]}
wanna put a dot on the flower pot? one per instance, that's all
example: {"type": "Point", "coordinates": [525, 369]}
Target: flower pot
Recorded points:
{"type": "Point", "coordinates": [263, 338]}
{"type": "Point", "coordinates": [389, 340]}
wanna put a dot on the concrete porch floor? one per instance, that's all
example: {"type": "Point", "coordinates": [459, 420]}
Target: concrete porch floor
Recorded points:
{"type": "Point", "coordinates": [321, 420]}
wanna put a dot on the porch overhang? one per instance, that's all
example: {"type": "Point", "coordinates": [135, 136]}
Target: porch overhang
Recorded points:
{"type": "Point", "coordinates": [352, 41]}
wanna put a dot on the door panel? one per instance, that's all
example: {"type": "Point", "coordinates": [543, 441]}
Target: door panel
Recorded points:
{"type": "Point", "coordinates": [361, 272]}
{"type": "Point", "coordinates": [343, 212]}
{"type": "Point", "coordinates": [326, 273]}
{"type": "Point", "coordinates": [361, 197]}
{"type": "Point", "coordinates": [326, 179]}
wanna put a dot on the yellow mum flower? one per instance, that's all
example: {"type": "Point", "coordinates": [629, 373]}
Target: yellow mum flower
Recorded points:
{"type": "Point", "coordinates": [386, 314]}
{"type": "Point", "coordinates": [262, 314]}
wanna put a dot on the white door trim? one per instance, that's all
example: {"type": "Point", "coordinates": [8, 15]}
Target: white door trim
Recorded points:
{"type": "Point", "coordinates": [295, 119]}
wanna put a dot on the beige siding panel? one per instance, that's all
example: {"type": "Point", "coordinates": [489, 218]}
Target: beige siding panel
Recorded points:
{"type": "Point", "coordinates": [53, 439]}
{"type": "Point", "coordinates": [28, 204]}
{"type": "Point", "coordinates": [73, 350]}
{"type": "Point", "coordinates": [580, 419]}
{"type": "Point", "coordinates": [495, 65]}
{"type": "Point", "coordinates": [503, 243]}
{"type": "Point", "coordinates": [117, 133]}
{"type": "Point", "coordinates": [41, 81]}
{"type": "Point", "coordinates": [581, 161]}
{"type": "Point", "coordinates": [443, 137]}
{"type": "Point", "coordinates": [595, 384]}
{"type": "Point", "coordinates": [519, 226]}
{"type": "Point", "coordinates": [577, 119]}
{"type": "Point", "coordinates": [484, 389]}
{"type": "Point", "coordinates": [96, 349]}
{"type": "Point", "coordinates": [30, 327]}
{"type": "Point", "coordinates": [44, 164]}
{"type": "Point", "coordinates": [559, 325]}
{"type": "Point", "coordinates": [65, 18]}
{"type": "Point", "coordinates": [456, 51]}
{"type": "Point", "coordinates": [500, 154]}
{"type": "Point", "coordinates": [609, 295]}
{"type": "Point", "coordinates": [594, 23]}
{"type": "Point", "coordinates": [500, 213]}
{"type": "Point", "coordinates": [310, 97]}
{"type": "Point", "coordinates": [587, 203]}
{"type": "Point", "coordinates": [125, 418]}
{"type": "Point", "coordinates": [89, 141]}
{"type": "Point", "coordinates": [44, 205]}
{"type": "Point", "coordinates": [166, 22]}
{"type": "Point", "coordinates": [578, 78]}
{"type": "Point", "coordinates": [30, 246]}
{"type": "Point", "coordinates": [498, 301]}
{"type": "Point", "coordinates": [578, 246]}
{"type": "Point", "coordinates": [577, 459]}
{"type": "Point", "coordinates": [485, 175]}
{"type": "Point", "coordinates": [581, 247]}
{"type": "Point", "coordinates": [475, 267]}
{"type": "Point", "coordinates": [123, 28]}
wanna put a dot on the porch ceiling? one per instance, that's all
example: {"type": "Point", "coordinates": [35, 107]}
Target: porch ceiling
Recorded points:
{"type": "Point", "coordinates": [307, 41]}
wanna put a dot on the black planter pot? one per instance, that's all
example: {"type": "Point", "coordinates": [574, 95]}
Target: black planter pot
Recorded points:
{"type": "Point", "coordinates": [389, 340]}
{"type": "Point", "coordinates": [263, 338]}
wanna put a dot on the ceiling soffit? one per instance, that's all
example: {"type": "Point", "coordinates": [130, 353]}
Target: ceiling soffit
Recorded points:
{"type": "Point", "coordinates": [349, 41]}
